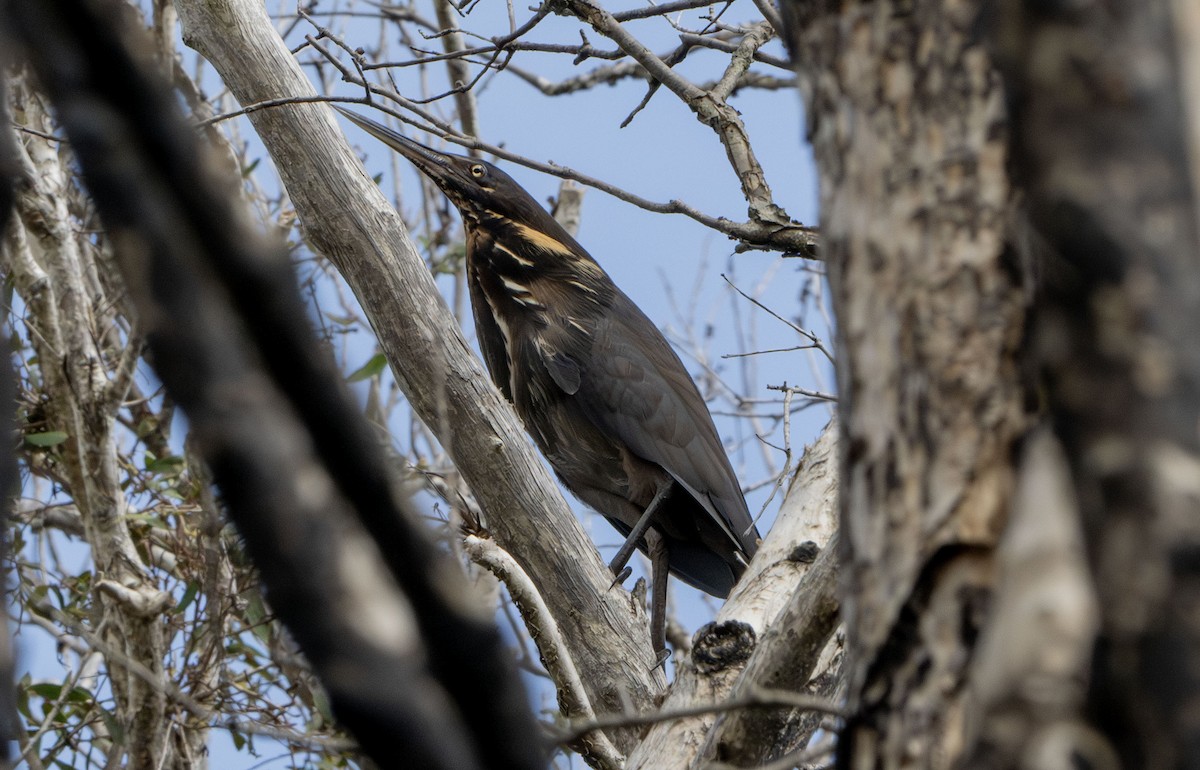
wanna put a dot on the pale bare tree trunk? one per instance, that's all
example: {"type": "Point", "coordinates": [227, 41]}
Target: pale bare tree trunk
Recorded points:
{"type": "Point", "coordinates": [1029, 674]}
{"type": "Point", "coordinates": [908, 125]}
{"type": "Point", "coordinates": [346, 218]}
{"type": "Point", "coordinates": [781, 632]}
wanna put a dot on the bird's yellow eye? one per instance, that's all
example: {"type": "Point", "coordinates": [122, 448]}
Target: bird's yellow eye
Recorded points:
{"type": "Point", "coordinates": [478, 171]}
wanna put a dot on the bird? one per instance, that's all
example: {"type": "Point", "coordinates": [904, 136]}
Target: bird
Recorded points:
{"type": "Point", "coordinates": [600, 389]}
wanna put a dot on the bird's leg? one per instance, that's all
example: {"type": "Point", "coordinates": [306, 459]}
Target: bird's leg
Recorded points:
{"type": "Point", "coordinates": [656, 544]}
{"type": "Point", "coordinates": [617, 565]}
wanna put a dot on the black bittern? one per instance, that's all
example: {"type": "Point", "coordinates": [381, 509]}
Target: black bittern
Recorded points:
{"type": "Point", "coordinates": [599, 388]}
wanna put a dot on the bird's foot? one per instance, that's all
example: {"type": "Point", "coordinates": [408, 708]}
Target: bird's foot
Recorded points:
{"type": "Point", "coordinates": [660, 660]}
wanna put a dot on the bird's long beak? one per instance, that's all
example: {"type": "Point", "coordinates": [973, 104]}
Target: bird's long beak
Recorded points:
{"type": "Point", "coordinates": [432, 162]}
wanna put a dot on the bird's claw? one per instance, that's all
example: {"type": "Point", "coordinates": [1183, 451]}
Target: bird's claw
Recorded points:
{"type": "Point", "coordinates": [660, 660]}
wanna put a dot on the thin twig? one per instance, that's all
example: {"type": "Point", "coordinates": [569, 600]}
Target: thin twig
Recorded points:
{"type": "Point", "coordinates": [725, 46]}
{"type": "Point", "coordinates": [555, 653]}
{"type": "Point", "coordinates": [785, 388]}
{"type": "Point", "coordinates": [817, 344]}
{"type": "Point", "coordinates": [756, 698]}
{"type": "Point", "coordinates": [651, 11]}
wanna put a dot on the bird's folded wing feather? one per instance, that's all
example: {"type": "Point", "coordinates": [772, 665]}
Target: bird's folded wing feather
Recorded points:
{"type": "Point", "coordinates": [633, 386]}
{"type": "Point", "coordinates": [491, 339]}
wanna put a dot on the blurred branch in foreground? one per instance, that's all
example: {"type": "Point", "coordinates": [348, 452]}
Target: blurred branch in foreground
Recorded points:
{"type": "Point", "coordinates": [272, 418]}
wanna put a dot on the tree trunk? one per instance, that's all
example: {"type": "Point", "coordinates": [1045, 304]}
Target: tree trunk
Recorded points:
{"type": "Point", "coordinates": [1100, 140]}
{"type": "Point", "coordinates": [347, 219]}
{"type": "Point", "coordinates": [908, 125]}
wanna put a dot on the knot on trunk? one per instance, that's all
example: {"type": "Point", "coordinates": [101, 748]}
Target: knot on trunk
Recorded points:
{"type": "Point", "coordinates": [718, 646]}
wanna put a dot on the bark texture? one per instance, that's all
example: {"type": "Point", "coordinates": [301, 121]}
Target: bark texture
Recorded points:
{"type": "Point", "coordinates": [10, 479]}
{"type": "Point", "coordinates": [1029, 676]}
{"type": "Point", "coordinates": [908, 125]}
{"type": "Point", "coordinates": [1100, 143]}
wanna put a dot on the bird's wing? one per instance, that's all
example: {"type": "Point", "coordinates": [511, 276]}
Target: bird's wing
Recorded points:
{"type": "Point", "coordinates": [632, 385]}
{"type": "Point", "coordinates": [492, 339]}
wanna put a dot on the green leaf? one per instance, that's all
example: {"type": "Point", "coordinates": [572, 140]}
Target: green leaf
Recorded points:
{"type": "Point", "coordinates": [341, 320]}
{"type": "Point", "coordinates": [256, 616]}
{"type": "Point", "coordinates": [322, 705]}
{"type": "Point", "coordinates": [38, 594]}
{"type": "Point", "coordinates": [47, 690]}
{"type": "Point", "coordinates": [172, 464]}
{"type": "Point", "coordinates": [150, 519]}
{"type": "Point", "coordinates": [188, 596]}
{"type": "Point", "coordinates": [369, 369]}
{"type": "Point", "coordinates": [23, 697]}
{"type": "Point", "coordinates": [49, 438]}
{"type": "Point", "coordinates": [79, 695]}
{"type": "Point", "coordinates": [52, 692]}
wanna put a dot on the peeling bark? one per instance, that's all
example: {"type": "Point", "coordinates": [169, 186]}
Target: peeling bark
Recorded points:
{"type": "Point", "coordinates": [1029, 676]}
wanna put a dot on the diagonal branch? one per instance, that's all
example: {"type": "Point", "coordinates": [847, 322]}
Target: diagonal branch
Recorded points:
{"type": "Point", "coordinates": [347, 218]}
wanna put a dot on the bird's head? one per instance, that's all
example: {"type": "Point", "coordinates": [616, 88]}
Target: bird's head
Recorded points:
{"type": "Point", "coordinates": [477, 188]}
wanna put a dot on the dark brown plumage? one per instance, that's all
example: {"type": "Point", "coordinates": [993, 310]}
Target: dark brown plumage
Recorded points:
{"type": "Point", "coordinates": [600, 389]}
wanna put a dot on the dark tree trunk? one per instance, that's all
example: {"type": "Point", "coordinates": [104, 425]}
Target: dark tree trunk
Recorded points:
{"type": "Point", "coordinates": [1099, 143]}
{"type": "Point", "coordinates": [908, 125]}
